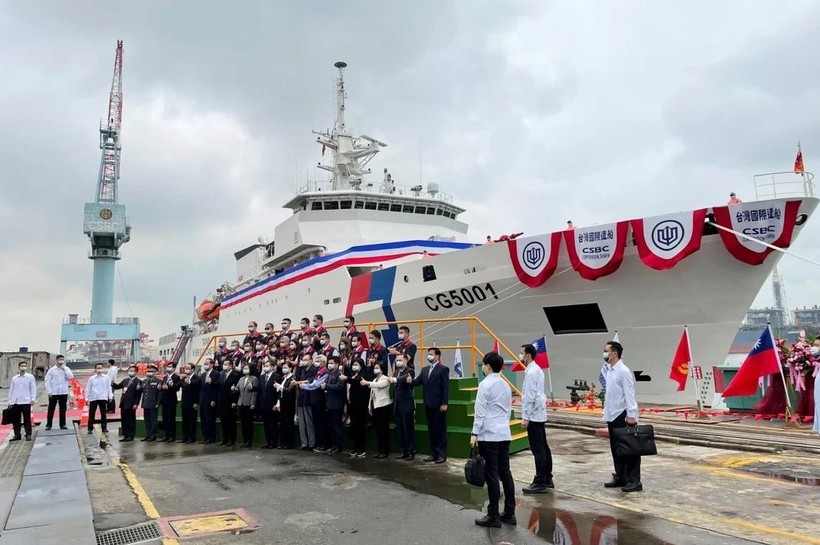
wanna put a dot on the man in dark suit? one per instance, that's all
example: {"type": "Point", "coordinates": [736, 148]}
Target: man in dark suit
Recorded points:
{"type": "Point", "coordinates": [377, 350]}
{"type": "Point", "coordinates": [208, 395]}
{"type": "Point", "coordinates": [170, 387]}
{"type": "Point", "coordinates": [228, 397]}
{"type": "Point", "coordinates": [435, 379]}
{"type": "Point", "coordinates": [268, 397]}
{"type": "Point", "coordinates": [131, 392]}
{"type": "Point", "coordinates": [404, 407]}
{"type": "Point", "coordinates": [336, 391]}
{"type": "Point", "coordinates": [190, 403]}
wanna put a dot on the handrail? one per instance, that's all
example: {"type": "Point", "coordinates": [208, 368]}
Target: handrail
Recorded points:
{"type": "Point", "coordinates": [472, 321]}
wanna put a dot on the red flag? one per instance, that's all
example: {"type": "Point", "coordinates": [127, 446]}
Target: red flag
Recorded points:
{"type": "Point", "coordinates": [495, 347]}
{"type": "Point", "coordinates": [798, 161]}
{"type": "Point", "coordinates": [680, 363]}
{"type": "Point", "coordinates": [760, 362]}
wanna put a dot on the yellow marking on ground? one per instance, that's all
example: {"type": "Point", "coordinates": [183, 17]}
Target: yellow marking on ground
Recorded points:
{"type": "Point", "coordinates": [142, 498]}
{"type": "Point", "coordinates": [769, 530]}
{"type": "Point", "coordinates": [206, 525]}
{"type": "Point", "coordinates": [792, 504]}
{"type": "Point", "coordinates": [730, 473]}
{"type": "Point", "coordinates": [740, 461]}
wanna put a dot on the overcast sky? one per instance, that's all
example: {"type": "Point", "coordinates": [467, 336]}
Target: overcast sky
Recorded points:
{"type": "Point", "coordinates": [529, 113]}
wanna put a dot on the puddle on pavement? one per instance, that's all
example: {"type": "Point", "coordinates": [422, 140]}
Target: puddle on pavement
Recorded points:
{"type": "Point", "coordinates": [811, 481]}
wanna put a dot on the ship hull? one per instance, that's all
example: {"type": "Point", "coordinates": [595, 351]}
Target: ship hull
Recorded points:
{"type": "Point", "coordinates": [709, 291]}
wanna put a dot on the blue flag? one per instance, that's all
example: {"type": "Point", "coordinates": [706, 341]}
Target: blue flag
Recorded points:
{"type": "Point", "coordinates": [458, 367]}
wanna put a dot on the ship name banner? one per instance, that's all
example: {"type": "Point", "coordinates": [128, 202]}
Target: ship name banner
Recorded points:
{"type": "Point", "coordinates": [663, 241]}
{"type": "Point", "coordinates": [534, 258]}
{"type": "Point", "coordinates": [769, 221]}
{"type": "Point", "coordinates": [597, 251]}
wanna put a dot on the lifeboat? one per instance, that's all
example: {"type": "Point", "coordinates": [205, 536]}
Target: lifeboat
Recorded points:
{"type": "Point", "coordinates": [207, 310]}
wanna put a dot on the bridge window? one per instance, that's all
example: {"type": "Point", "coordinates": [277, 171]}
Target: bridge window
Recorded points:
{"type": "Point", "coordinates": [384, 207]}
{"type": "Point", "coordinates": [569, 319]}
{"type": "Point", "coordinates": [395, 208]}
{"type": "Point", "coordinates": [345, 205]}
{"type": "Point", "coordinates": [431, 211]}
{"type": "Point", "coordinates": [332, 205]}
{"type": "Point", "coordinates": [316, 206]}
{"type": "Point", "coordinates": [420, 210]}
{"type": "Point", "coordinates": [439, 212]}
{"type": "Point", "coordinates": [408, 209]}
{"type": "Point", "coordinates": [369, 205]}
{"type": "Point", "coordinates": [358, 205]}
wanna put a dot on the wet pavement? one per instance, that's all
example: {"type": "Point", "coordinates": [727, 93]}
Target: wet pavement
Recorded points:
{"type": "Point", "coordinates": [693, 495]}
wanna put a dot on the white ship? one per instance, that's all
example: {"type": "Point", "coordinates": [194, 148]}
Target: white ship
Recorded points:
{"type": "Point", "coordinates": [387, 253]}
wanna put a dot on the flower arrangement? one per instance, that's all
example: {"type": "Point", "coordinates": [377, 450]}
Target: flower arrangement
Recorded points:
{"type": "Point", "coordinates": [798, 362]}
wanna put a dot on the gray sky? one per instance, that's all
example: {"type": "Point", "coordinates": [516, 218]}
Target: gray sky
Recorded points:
{"type": "Point", "coordinates": [530, 113]}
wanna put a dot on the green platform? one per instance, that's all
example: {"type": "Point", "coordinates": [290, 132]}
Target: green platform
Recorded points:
{"type": "Point", "coordinates": [463, 392]}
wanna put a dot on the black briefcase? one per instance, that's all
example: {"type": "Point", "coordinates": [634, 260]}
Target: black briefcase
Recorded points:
{"type": "Point", "coordinates": [8, 416]}
{"type": "Point", "coordinates": [634, 441]}
{"type": "Point", "coordinates": [474, 469]}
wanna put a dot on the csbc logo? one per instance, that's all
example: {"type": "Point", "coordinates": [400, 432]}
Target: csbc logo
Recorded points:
{"type": "Point", "coordinates": [668, 234]}
{"type": "Point", "coordinates": [533, 254]}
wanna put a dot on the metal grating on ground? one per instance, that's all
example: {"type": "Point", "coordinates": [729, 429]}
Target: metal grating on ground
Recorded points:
{"type": "Point", "coordinates": [13, 458]}
{"type": "Point", "coordinates": [139, 533]}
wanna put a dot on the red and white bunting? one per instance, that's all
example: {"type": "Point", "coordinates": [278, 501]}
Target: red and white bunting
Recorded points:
{"type": "Point", "coordinates": [768, 221]}
{"type": "Point", "coordinates": [534, 258]}
{"type": "Point", "coordinates": [597, 251]}
{"type": "Point", "coordinates": [663, 241]}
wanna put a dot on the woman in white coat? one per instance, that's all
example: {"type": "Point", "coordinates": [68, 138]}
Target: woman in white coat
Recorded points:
{"type": "Point", "coordinates": [815, 351]}
{"type": "Point", "coordinates": [379, 408]}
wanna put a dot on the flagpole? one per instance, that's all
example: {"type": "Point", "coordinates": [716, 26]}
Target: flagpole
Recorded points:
{"type": "Point", "coordinates": [549, 373]}
{"type": "Point", "coordinates": [690, 370]}
{"type": "Point", "coordinates": [780, 366]}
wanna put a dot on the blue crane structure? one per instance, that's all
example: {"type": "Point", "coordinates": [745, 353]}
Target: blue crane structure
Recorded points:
{"type": "Point", "coordinates": [107, 228]}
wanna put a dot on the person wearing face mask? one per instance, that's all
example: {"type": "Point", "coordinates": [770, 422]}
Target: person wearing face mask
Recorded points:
{"type": "Point", "coordinates": [379, 407]}
{"type": "Point", "coordinates": [318, 327]}
{"type": "Point", "coordinates": [222, 351]}
{"type": "Point", "coordinates": [235, 353]}
{"type": "Point", "coordinates": [268, 400]}
{"type": "Point", "coordinates": [435, 381]}
{"type": "Point", "coordinates": [22, 395]}
{"type": "Point", "coordinates": [357, 408]}
{"type": "Point", "coordinates": [349, 325]}
{"type": "Point", "coordinates": [356, 349]}
{"type": "Point", "coordinates": [253, 335]}
{"type": "Point", "coordinates": [377, 350]}
{"type": "Point", "coordinates": [534, 420]}
{"type": "Point", "coordinates": [404, 408]}
{"type": "Point", "coordinates": [131, 388]}
{"type": "Point", "coordinates": [335, 391]}
{"type": "Point", "coordinates": [151, 401]}
{"type": "Point", "coordinates": [191, 387]}
{"type": "Point", "coordinates": [286, 332]}
{"type": "Point", "coordinates": [248, 387]}
{"type": "Point", "coordinates": [170, 387]}
{"type": "Point", "coordinates": [327, 349]}
{"type": "Point", "coordinates": [318, 407]}
{"type": "Point", "coordinates": [815, 352]}
{"type": "Point", "coordinates": [405, 347]}
{"type": "Point", "coordinates": [304, 374]}
{"type": "Point", "coordinates": [228, 396]}
{"type": "Point", "coordinates": [305, 329]}
{"type": "Point", "coordinates": [56, 383]}
{"type": "Point", "coordinates": [98, 392]}
{"type": "Point", "coordinates": [621, 410]}
{"type": "Point", "coordinates": [286, 406]}
{"type": "Point", "coordinates": [306, 346]}
{"type": "Point", "coordinates": [269, 332]}
{"type": "Point", "coordinates": [113, 368]}
{"type": "Point", "coordinates": [208, 396]}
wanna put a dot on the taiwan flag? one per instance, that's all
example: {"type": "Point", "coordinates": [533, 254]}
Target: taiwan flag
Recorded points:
{"type": "Point", "coordinates": [680, 364]}
{"type": "Point", "coordinates": [541, 357]}
{"type": "Point", "coordinates": [761, 361]}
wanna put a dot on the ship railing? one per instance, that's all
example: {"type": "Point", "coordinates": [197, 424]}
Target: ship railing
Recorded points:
{"type": "Point", "coordinates": [430, 191]}
{"type": "Point", "coordinates": [776, 185]}
{"type": "Point", "coordinates": [467, 331]}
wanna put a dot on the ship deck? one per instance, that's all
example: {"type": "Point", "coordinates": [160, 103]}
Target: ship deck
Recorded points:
{"type": "Point", "coordinates": [704, 486]}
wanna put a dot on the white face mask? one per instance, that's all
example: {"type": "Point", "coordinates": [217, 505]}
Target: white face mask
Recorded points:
{"type": "Point", "coordinates": [285, 326]}
{"type": "Point", "coordinates": [228, 369]}
{"type": "Point", "coordinates": [206, 367]}
{"type": "Point", "coordinates": [305, 343]}
{"type": "Point", "coordinates": [354, 342]}
{"type": "Point", "coordinates": [221, 345]}
{"type": "Point", "coordinates": [346, 324]}
{"type": "Point", "coordinates": [23, 369]}
{"type": "Point", "coordinates": [266, 369]}
{"type": "Point", "coordinates": [259, 347]}
{"type": "Point", "coordinates": [60, 362]}
{"type": "Point", "coordinates": [286, 370]}
{"type": "Point", "coordinates": [372, 340]}
{"type": "Point", "coordinates": [357, 368]}
{"type": "Point", "coordinates": [606, 357]}
{"type": "Point", "coordinates": [251, 328]}
{"type": "Point", "coordinates": [323, 342]}
{"type": "Point", "coordinates": [342, 346]}
{"type": "Point", "coordinates": [401, 336]}
{"type": "Point", "coordinates": [521, 357]}
{"type": "Point", "coordinates": [149, 373]}
{"type": "Point", "coordinates": [169, 369]}
{"type": "Point", "coordinates": [303, 363]}
{"type": "Point", "coordinates": [399, 364]}
{"type": "Point", "coordinates": [377, 371]}
{"type": "Point", "coordinates": [246, 371]}
{"type": "Point", "coordinates": [815, 351]}
{"type": "Point", "coordinates": [131, 373]}
{"type": "Point", "coordinates": [331, 366]}
{"type": "Point", "coordinates": [268, 330]}
{"type": "Point", "coordinates": [431, 358]}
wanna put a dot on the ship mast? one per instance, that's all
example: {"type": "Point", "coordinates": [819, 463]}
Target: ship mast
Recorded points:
{"type": "Point", "coordinates": [350, 154]}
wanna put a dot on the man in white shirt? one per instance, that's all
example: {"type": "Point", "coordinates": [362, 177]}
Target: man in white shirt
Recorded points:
{"type": "Point", "coordinates": [112, 379]}
{"type": "Point", "coordinates": [56, 382]}
{"type": "Point", "coordinates": [491, 434]}
{"type": "Point", "coordinates": [98, 392]}
{"type": "Point", "coordinates": [534, 419]}
{"type": "Point", "coordinates": [22, 395]}
{"type": "Point", "coordinates": [620, 410]}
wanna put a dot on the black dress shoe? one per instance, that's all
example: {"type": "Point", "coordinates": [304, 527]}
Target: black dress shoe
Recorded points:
{"type": "Point", "coordinates": [614, 483]}
{"type": "Point", "coordinates": [16, 438]}
{"type": "Point", "coordinates": [48, 428]}
{"type": "Point", "coordinates": [430, 459]}
{"type": "Point", "coordinates": [633, 487]}
{"type": "Point", "coordinates": [124, 440]}
{"type": "Point", "coordinates": [143, 440]}
{"type": "Point", "coordinates": [489, 522]}
{"type": "Point", "coordinates": [63, 427]}
{"type": "Point", "coordinates": [535, 489]}
{"type": "Point", "coordinates": [222, 443]}
{"type": "Point", "coordinates": [401, 456]}
{"type": "Point", "coordinates": [151, 439]}
{"type": "Point", "coordinates": [28, 437]}
{"type": "Point", "coordinates": [232, 443]}
{"type": "Point", "coordinates": [440, 461]}
{"type": "Point", "coordinates": [509, 518]}
{"type": "Point", "coordinates": [410, 457]}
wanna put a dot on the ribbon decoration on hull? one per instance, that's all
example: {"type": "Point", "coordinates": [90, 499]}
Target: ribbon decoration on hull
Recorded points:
{"type": "Point", "coordinates": [535, 258]}
{"type": "Point", "coordinates": [597, 251]}
{"type": "Point", "coordinates": [770, 221]}
{"type": "Point", "coordinates": [663, 241]}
